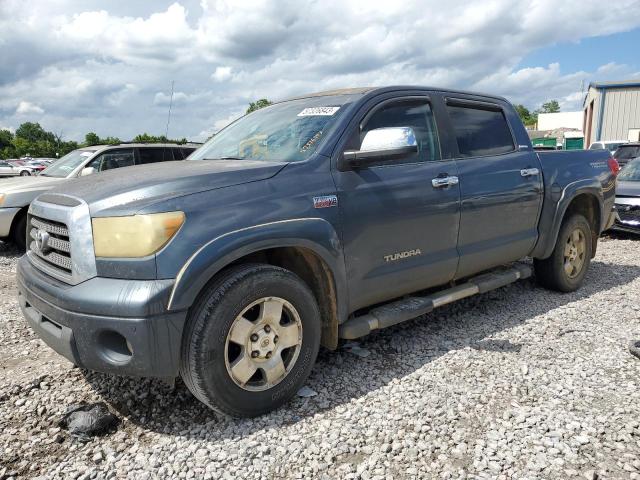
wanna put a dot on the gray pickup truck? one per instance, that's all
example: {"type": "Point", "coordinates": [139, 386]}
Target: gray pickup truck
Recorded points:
{"type": "Point", "coordinates": [318, 218]}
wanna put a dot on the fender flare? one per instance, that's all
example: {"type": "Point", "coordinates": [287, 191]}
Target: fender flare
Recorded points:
{"type": "Point", "coordinates": [315, 234]}
{"type": "Point", "coordinates": [546, 243]}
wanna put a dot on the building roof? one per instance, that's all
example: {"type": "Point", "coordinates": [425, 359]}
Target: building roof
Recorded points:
{"type": "Point", "coordinates": [616, 84]}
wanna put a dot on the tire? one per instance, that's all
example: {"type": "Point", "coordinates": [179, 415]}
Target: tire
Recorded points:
{"type": "Point", "coordinates": [25, 173]}
{"type": "Point", "coordinates": [20, 232]}
{"type": "Point", "coordinates": [559, 272]}
{"type": "Point", "coordinates": [210, 356]}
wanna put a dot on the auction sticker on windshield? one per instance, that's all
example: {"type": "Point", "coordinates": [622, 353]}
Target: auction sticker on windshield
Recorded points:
{"type": "Point", "coordinates": [315, 111]}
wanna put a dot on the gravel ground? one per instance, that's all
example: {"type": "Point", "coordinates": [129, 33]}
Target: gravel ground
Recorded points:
{"type": "Point", "coordinates": [517, 383]}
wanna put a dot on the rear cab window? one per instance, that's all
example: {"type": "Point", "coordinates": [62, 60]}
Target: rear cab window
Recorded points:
{"type": "Point", "coordinates": [480, 130]}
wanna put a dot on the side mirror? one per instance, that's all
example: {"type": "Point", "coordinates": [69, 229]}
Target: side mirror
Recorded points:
{"type": "Point", "coordinates": [87, 171]}
{"type": "Point", "coordinates": [381, 144]}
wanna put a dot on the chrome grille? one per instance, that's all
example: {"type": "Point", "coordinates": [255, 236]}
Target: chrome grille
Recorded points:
{"type": "Point", "coordinates": [55, 250]}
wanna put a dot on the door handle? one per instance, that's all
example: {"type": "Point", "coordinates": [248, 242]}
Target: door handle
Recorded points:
{"type": "Point", "coordinates": [442, 182]}
{"type": "Point", "coordinates": [529, 172]}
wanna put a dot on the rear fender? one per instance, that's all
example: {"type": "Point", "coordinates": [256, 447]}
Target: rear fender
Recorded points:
{"type": "Point", "coordinates": [556, 203]}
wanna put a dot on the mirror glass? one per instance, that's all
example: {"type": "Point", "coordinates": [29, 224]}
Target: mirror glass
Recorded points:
{"type": "Point", "coordinates": [388, 138]}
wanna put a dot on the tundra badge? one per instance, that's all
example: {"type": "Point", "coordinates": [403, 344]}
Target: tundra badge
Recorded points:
{"type": "Point", "coordinates": [397, 256]}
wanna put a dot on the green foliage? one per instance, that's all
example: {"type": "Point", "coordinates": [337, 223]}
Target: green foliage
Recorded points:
{"type": "Point", "coordinates": [32, 140]}
{"type": "Point", "coordinates": [146, 138]}
{"type": "Point", "coordinates": [525, 115]}
{"type": "Point", "coordinates": [552, 106]}
{"type": "Point", "coordinates": [258, 104]}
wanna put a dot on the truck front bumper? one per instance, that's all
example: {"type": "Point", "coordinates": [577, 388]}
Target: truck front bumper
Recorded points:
{"type": "Point", "coordinates": [6, 219]}
{"type": "Point", "coordinates": [104, 324]}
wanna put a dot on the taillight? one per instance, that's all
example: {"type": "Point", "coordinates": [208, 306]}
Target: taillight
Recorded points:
{"type": "Point", "coordinates": [614, 166]}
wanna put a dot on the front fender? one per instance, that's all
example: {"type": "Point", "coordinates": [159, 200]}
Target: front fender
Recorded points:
{"type": "Point", "coordinates": [315, 234]}
{"type": "Point", "coordinates": [555, 206]}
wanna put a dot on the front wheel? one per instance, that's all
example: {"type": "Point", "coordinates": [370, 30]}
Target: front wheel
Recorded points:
{"type": "Point", "coordinates": [250, 340]}
{"type": "Point", "coordinates": [567, 266]}
{"type": "Point", "coordinates": [25, 173]}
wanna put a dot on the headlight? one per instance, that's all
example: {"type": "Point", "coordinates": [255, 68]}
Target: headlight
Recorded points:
{"type": "Point", "coordinates": [136, 235]}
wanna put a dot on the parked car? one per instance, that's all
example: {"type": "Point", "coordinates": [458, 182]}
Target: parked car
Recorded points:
{"type": "Point", "coordinates": [9, 170]}
{"type": "Point", "coordinates": [317, 218]}
{"type": "Point", "coordinates": [627, 152]}
{"type": "Point", "coordinates": [611, 145]}
{"type": "Point", "coordinates": [37, 167]}
{"type": "Point", "coordinates": [628, 198]}
{"type": "Point", "coordinates": [16, 195]}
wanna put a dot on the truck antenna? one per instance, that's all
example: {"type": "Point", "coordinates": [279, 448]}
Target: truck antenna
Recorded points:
{"type": "Point", "coordinates": [166, 134]}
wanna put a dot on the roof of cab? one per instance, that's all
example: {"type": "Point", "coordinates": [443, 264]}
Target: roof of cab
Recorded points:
{"type": "Point", "coordinates": [378, 90]}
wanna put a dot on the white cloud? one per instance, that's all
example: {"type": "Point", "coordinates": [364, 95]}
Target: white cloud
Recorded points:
{"type": "Point", "coordinates": [221, 74]}
{"type": "Point", "coordinates": [26, 108]}
{"type": "Point", "coordinates": [90, 65]}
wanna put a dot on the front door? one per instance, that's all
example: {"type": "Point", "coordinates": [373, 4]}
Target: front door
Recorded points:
{"type": "Point", "coordinates": [500, 187]}
{"type": "Point", "coordinates": [399, 228]}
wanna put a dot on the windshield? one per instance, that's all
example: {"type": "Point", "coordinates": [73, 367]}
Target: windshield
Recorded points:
{"type": "Point", "coordinates": [67, 164]}
{"type": "Point", "coordinates": [289, 131]}
{"type": "Point", "coordinates": [627, 152]}
{"type": "Point", "coordinates": [612, 147]}
{"type": "Point", "coordinates": [630, 172]}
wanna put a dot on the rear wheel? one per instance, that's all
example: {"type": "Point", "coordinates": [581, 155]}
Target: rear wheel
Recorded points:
{"type": "Point", "coordinates": [251, 340]}
{"type": "Point", "coordinates": [20, 232]}
{"type": "Point", "coordinates": [567, 266]}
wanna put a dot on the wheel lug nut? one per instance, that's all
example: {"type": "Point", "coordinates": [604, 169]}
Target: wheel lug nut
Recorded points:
{"type": "Point", "coordinates": [255, 354]}
{"type": "Point", "coordinates": [267, 328]}
{"type": "Point", "coordinates": [254, 337]}
{"type": "Point", "coordinates": [268, 355]}
{"type": "Point", "coordinates": [275, 339]}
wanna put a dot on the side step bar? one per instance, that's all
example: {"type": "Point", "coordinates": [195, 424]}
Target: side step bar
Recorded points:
{"type": "Point", "coordinates": [412, 307]}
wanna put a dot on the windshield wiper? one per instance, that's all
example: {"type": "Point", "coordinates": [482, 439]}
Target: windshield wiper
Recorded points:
{"type": "Point", "coordinates": [231, 158]}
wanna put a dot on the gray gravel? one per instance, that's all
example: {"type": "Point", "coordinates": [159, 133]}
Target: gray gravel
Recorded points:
{"type": "Point", "coordinates": [517, 383]}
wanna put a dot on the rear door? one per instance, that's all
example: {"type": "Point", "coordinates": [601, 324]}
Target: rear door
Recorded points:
{"type": "Point", "coordinates": [500, 186]}
{"type": "Point", "coordinates": [399, 230]}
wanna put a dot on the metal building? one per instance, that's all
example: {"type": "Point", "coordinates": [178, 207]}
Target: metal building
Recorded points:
{"type": "Point", "coordinates": [612, 111]}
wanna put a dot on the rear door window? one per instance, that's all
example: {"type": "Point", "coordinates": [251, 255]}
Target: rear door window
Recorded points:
{"type": "Point", "coordinates": [154, 155]}
{"type": "Point", "coordinates": [479, 131]}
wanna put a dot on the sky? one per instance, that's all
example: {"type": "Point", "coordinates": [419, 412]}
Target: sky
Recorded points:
{"type": "Point", "coordinates": [77, 66]}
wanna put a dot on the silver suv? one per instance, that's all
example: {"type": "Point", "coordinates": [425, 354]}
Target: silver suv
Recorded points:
{"type": "Point", "coordinates": [16, 194]}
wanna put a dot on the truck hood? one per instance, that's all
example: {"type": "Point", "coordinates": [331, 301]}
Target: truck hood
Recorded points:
{"type": "Point", "coordinates": [139, 186]}
{"type": "Point", "coordinates": [628, 189]}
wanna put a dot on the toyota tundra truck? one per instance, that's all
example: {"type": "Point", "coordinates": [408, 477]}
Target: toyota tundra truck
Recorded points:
{"type": "Point", "coordinates": [319, 218]}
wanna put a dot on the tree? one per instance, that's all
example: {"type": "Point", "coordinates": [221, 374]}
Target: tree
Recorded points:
{"type": "Point", "coordinates": [6, 137]}
{"type": "Point", "coordinates": [525, 115]}
{"type": "Point", "coordinates": [258, 104]}
{"type": "Point", "coordinates": [91, 138]}
{"type": "Point", "coordinates": [552, 106]}
{"type": "Point", "coordinates": [33, 132]}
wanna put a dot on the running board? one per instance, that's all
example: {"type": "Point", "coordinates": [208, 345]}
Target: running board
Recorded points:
{"type": "Point", "coordinates": [412, 307]}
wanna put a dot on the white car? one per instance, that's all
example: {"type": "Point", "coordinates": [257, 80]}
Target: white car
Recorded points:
{"type": "Point", "coordinates": [8, 170]}
{"type": "Point", "coordinates": [611, 145]}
